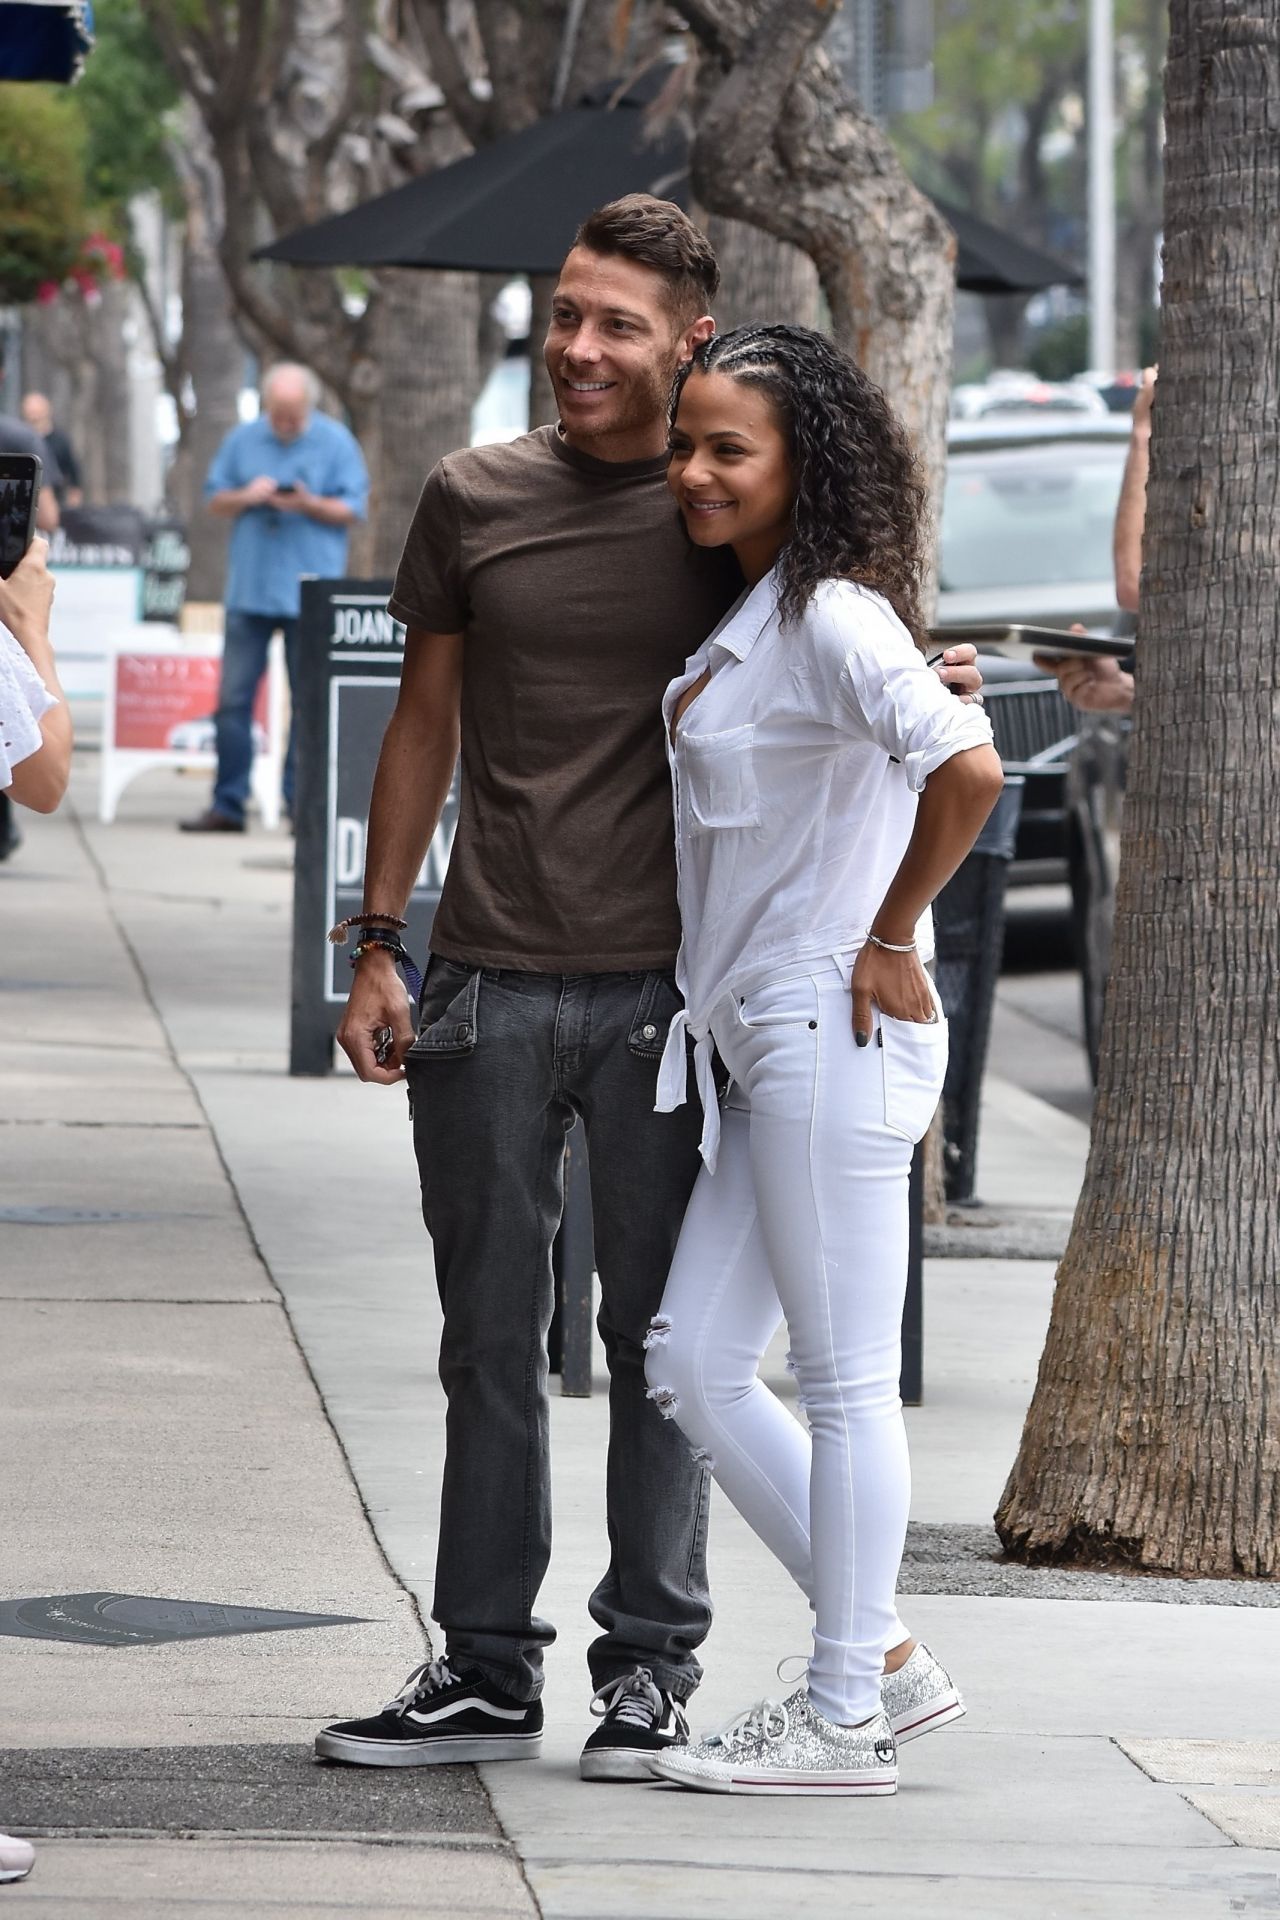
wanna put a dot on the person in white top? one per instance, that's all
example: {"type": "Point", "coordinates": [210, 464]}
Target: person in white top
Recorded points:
{"type": "Point", "coordinates": [826, 786]}
{"type": "Point", "coordinates": [35, 760]}
{"type": "Point", "coordinates": [35, 728]}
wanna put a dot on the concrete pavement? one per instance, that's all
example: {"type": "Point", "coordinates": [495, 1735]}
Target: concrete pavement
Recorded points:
{"type": "Point", "coordinates": [228, 1394]}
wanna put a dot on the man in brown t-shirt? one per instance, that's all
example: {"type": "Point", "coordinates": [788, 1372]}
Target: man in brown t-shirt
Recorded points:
{"type": "Point", "coordinates": [550, 594]}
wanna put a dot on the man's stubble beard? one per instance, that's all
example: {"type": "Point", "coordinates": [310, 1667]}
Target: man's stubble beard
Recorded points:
{"type": "Point", "coordinates": [644, 406]}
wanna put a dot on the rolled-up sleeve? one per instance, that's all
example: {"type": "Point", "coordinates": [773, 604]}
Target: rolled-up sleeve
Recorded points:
{"type": "Point", "coordinates": [888, 694]}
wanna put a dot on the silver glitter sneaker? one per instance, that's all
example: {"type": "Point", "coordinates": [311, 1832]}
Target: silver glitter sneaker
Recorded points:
{"type": "Point", "coordinates": [920, 1696]}
{"type": "Point", "coordinates": [787, 1747]}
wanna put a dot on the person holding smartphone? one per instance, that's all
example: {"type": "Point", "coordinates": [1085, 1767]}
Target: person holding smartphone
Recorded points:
{"type": "Point", "coordinates": [27, 501]}
{"type": "Point", "coordinates": [293, 483]}
{"type": "Point", "coordinates": [35, 726]}
{"type": "Point", "coordinates": [35, 763]}
{"type": "Point", "coordinates": [1096, 683]}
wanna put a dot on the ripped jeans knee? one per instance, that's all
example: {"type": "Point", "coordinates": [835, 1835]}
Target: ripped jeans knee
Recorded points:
{"type": "Point", "coordinates": [661, 1392]}
{"type": "Point", "coordinates": [664, 1382]}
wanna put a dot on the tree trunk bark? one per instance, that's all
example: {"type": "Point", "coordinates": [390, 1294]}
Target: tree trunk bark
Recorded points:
{"type": "Point", "coordinates": [781, 145]}
{"type": "Point", "coordinates": [428, 353]}
{"type": "Point", "coordinates": [761, 279]}
{"type": "Point", "coordinates": [213, 357]}
{"type": "Point", "coordinates": [1153, 1438]}
{"type": "Point", "coordinates": [105, 325]}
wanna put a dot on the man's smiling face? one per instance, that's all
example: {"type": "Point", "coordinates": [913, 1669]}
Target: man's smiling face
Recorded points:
{"type": "Point", "coordinates": [612, 350]}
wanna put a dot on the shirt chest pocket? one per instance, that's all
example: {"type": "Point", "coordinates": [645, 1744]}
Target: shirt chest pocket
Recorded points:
{"type": "Point", "coordinates": [720, 779]}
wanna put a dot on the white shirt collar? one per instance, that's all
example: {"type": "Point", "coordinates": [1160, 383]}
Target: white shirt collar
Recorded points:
{"type": "Point", "coordinates": [745, 625]}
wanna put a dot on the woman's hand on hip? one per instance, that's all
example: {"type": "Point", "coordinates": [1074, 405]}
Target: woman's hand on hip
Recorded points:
{"type": "Point", "coordinates": [896, 983]}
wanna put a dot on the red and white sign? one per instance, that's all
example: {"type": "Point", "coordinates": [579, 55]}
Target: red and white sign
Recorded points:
{"type": "Point", "coordinates": [165, 703]}
{"type": "Point", "coordinates": [161, 697]}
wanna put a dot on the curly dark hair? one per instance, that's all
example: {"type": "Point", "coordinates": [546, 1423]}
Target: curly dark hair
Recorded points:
{"type": "Point", "coordinates": [860, 507]}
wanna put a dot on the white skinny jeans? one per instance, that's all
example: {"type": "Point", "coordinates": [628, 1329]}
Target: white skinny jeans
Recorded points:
{"type": "Point", "coordinates": [805, 1217]}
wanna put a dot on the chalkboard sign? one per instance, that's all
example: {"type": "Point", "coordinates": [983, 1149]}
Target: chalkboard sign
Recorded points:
{"type": "Point", "coordinates": [351, 652]}
{"type": "Point", "coordinates": [166, 562]}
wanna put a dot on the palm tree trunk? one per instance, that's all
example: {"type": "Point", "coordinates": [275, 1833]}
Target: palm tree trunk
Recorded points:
{"type": "Point", "coordinates": [1153, 1437]}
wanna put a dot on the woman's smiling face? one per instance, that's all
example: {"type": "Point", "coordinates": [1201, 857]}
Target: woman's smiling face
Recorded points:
{"type": "Point", "coordinates": [730, 469]}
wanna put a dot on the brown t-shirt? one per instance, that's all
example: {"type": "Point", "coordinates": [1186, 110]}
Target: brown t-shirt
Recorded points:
{"type": "Point", "coordinates": [580, 598]}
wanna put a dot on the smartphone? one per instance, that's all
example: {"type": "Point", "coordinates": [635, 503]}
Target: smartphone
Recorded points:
{"type": "Point", "coordinates": [19, 497]}
{"type": "Point", "coordinates": [1016, 640]}
{"type": "Point", "coordinates": [286, 486]}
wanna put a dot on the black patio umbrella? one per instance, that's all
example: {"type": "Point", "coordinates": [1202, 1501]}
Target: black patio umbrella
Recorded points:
{"type": "Point", "coordinates": [515, 206]}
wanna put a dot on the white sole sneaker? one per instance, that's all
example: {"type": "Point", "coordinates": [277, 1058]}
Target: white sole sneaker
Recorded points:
{"type": "Point", "coordinates": [17, 1857]}
{"type": "Point", "coordinates": [433, 1753]}
{"type": "Point", "coordinates": [620, 1764]}
{"type": "Point", "coordinates": [876, 1784]}
{"type": "Point", "coordinates": [928, 1716]}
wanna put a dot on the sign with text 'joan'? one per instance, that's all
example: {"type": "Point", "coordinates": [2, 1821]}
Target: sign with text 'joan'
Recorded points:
{"type": "Point", "coordinates": [349, 675]}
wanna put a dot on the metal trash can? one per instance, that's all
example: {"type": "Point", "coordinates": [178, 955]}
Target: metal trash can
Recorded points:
{"type": "Point", "coordinates": [969, 928]}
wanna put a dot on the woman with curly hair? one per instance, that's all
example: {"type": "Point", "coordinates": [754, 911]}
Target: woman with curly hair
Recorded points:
{"type": "Point", "coordinates": [826, 786]}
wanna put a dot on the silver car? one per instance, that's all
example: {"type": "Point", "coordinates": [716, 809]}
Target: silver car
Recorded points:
{"type": "Point", "coordinates": [1026, 519]}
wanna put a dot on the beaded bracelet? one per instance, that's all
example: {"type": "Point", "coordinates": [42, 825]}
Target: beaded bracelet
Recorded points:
{"type": "Point", "coordinates": [394, 946]}
{"type": "Point", "coordinates": [386, 921]}
{"type": "Point", "coordinates": [391, 943]}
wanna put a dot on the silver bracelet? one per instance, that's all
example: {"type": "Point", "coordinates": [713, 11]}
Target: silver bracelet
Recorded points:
{"type": "Point", "coordinates": [887, 946]}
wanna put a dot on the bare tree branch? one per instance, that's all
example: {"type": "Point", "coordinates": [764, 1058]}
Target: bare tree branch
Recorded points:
{"type": "Point", "coordinates": [450, 75]}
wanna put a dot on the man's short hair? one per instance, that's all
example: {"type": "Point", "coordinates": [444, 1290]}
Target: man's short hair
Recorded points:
{"type": "Point", "coordinates": [657, 234]}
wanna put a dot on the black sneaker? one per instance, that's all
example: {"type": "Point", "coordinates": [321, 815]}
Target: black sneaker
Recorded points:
{"type": "Point", "coordinates": [639, 1722]}
{"type": "Point", "coordinates": [439, 1718]}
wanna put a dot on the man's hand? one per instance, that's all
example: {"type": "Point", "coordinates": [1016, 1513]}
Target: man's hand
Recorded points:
{"type": "Point", "coordinates": [298, 499]}
{"type": "Point", "coordinates": [1095, 683]}
{"type": "Point", "coordinates": [960, 671]}
{"type": "Point", "coordinates": [377, 999]}
{"type": "Point", "coordinates": [27, 595]}
{"type": "Point", "coordinates": [260, 491]}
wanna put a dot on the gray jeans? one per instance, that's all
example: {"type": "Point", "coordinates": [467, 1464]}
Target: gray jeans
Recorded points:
{"type": "Point", "coordinates": [503, 1063]}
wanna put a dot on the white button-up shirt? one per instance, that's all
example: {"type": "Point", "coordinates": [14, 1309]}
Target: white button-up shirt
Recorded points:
{"type": "Point", "coordinates": [795, 774]}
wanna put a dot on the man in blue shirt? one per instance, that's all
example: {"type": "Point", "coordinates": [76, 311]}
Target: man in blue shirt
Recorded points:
{"type": "Point", "coordinates": [292, 481]}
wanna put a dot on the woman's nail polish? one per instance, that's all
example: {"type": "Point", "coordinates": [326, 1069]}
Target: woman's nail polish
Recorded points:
{"type": "Point", "coordinates": [860, 1039]}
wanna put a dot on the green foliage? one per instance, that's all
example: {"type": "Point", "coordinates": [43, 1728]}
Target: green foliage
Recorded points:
{"type": "Point", "coordinates": [1002, 67]}
{"type": "Point", "coordinates": [123, 100]}
{"type": "Point", "coordinates": [1062, 349]}
{"type": "Point", "coordinates": [43, 211]}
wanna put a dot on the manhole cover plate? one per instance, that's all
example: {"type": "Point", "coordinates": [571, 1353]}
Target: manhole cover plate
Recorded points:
{"type": "Point", "coordinates": [137, 1620]}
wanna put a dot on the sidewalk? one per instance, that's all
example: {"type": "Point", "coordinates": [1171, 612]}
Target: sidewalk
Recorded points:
{"type": "Point", "coordinates": [229, 1396]}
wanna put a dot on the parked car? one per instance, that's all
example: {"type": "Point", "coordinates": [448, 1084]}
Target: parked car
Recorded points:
{"type": "Point", "coordinates": [1027, 520]}
{"type": "Point", "coordinates": [1024, 393]}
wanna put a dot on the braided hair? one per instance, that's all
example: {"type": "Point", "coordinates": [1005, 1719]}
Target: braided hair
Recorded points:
{"type": "Point", "coordinates": [859, 504]}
